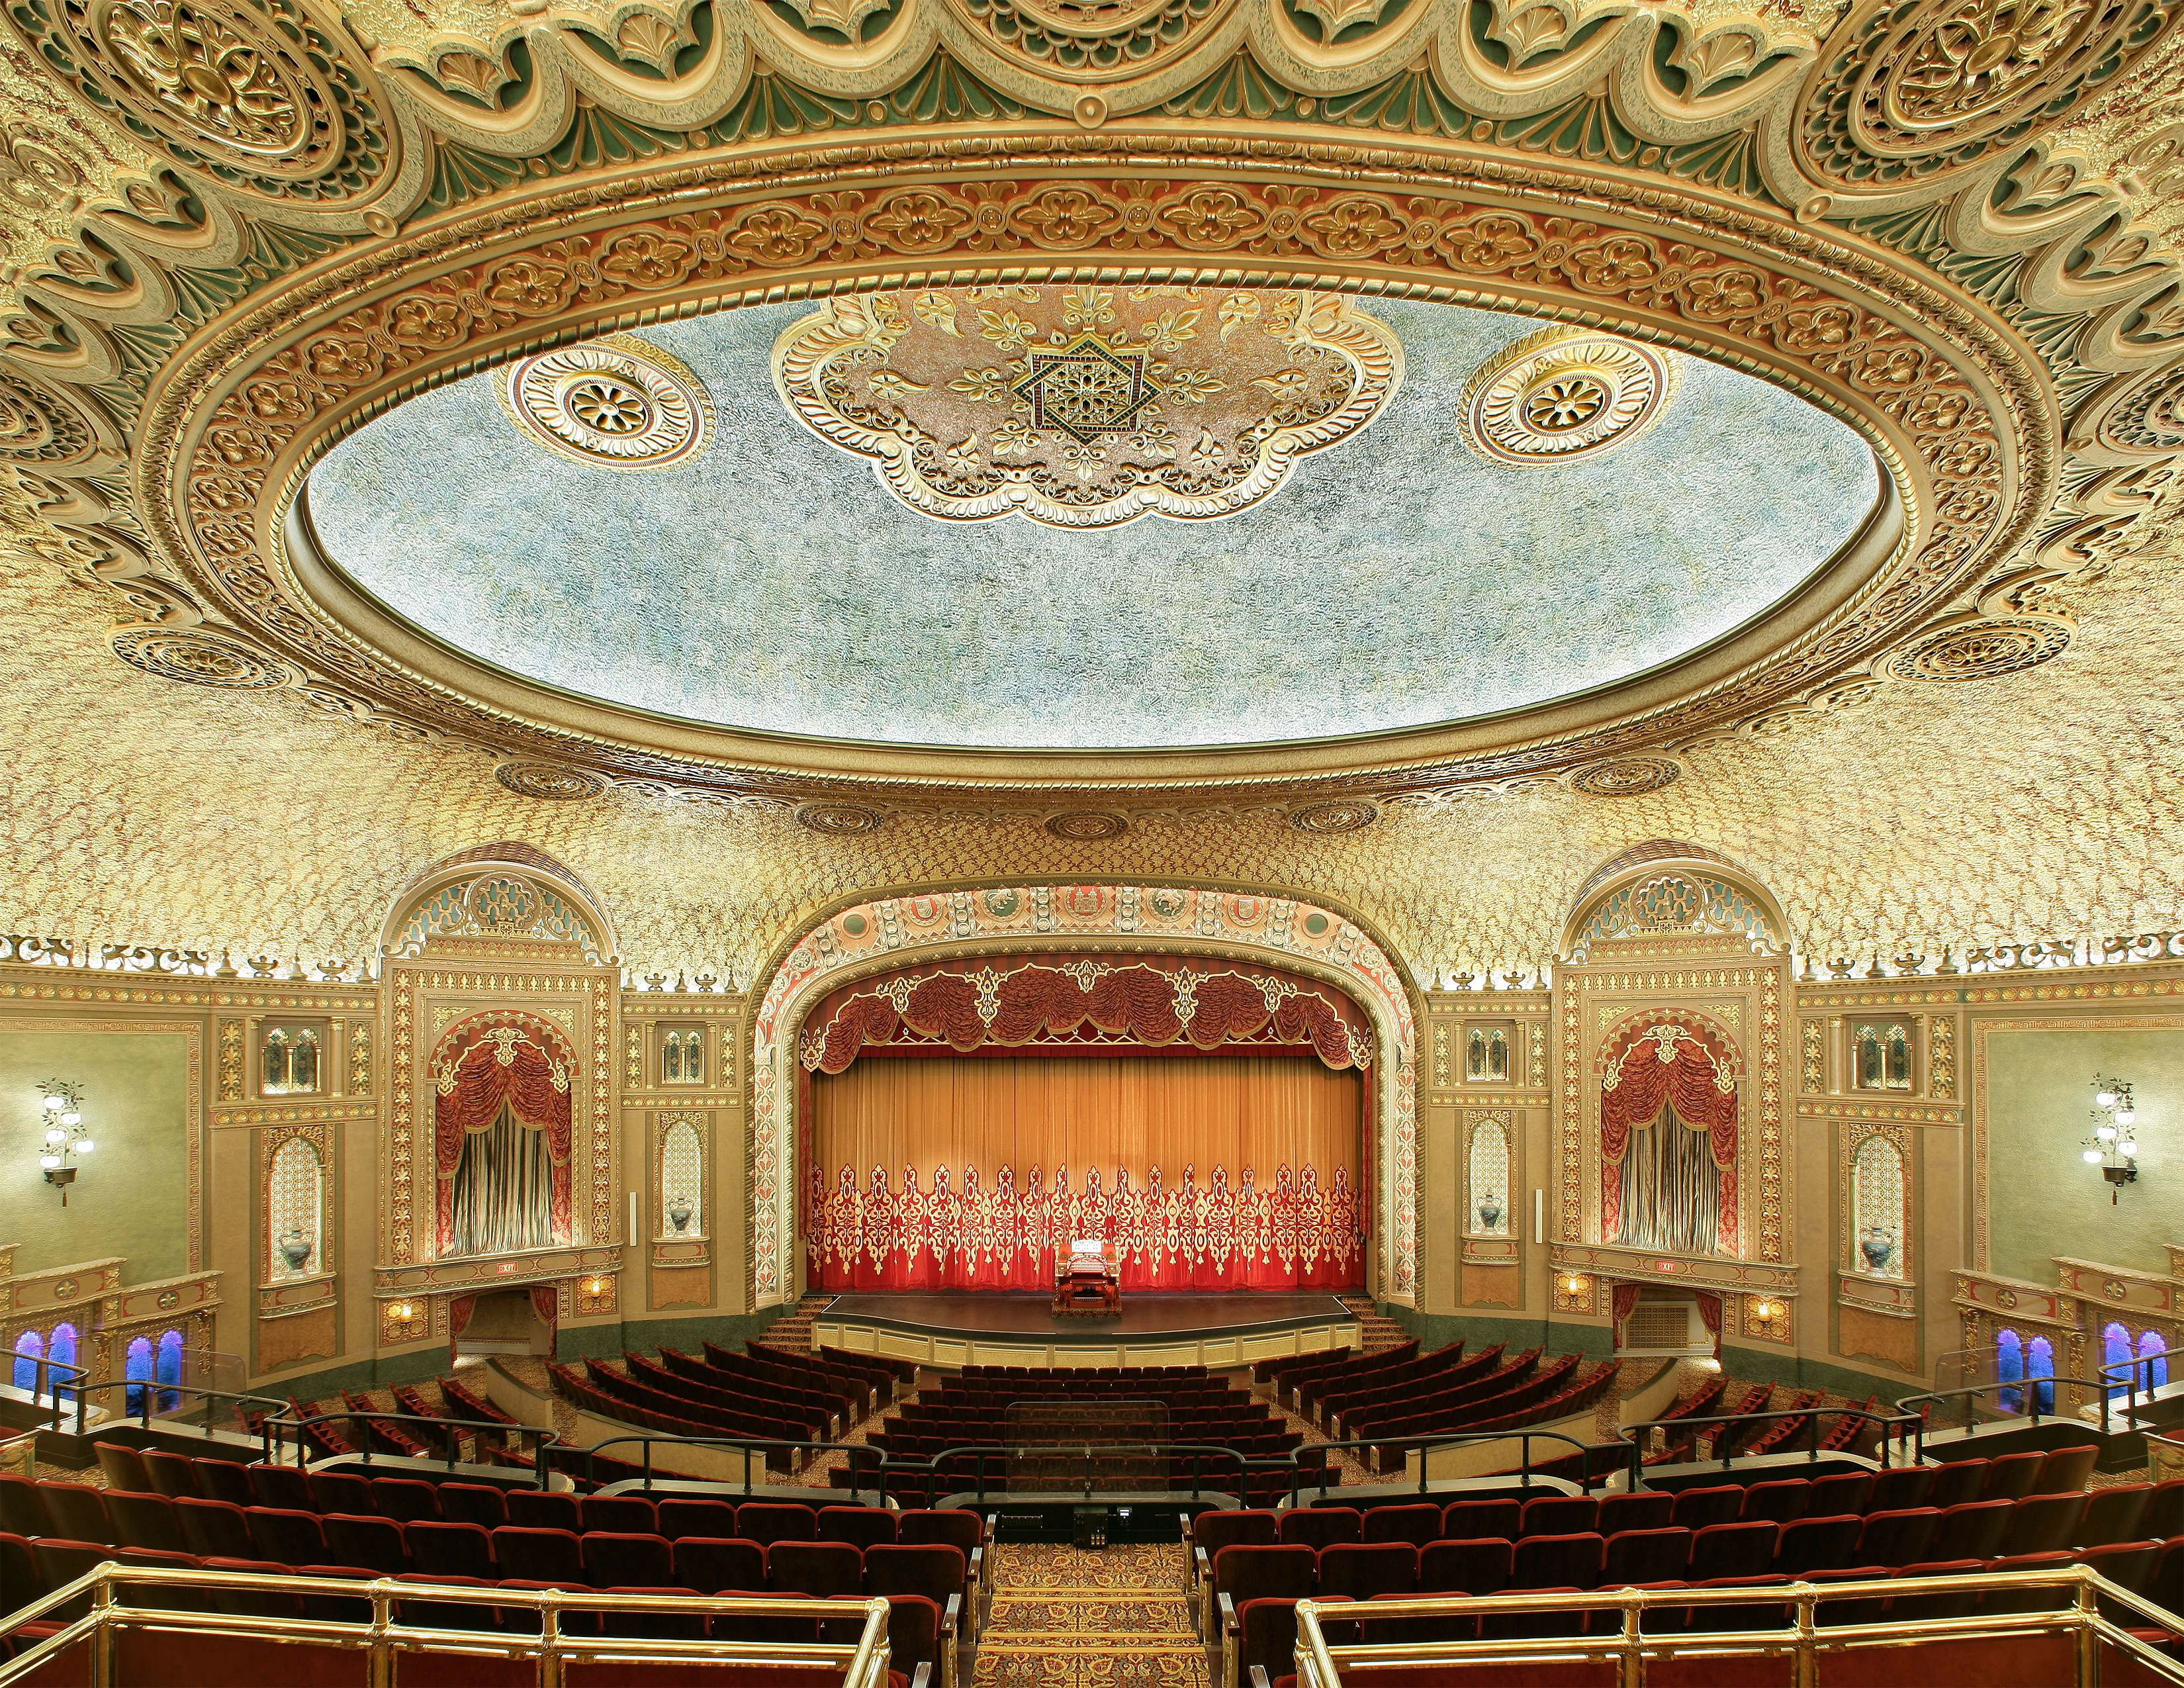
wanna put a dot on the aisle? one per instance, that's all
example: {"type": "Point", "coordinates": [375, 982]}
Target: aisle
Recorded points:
{"type": "Point", "coordinates": [1069, 1617]}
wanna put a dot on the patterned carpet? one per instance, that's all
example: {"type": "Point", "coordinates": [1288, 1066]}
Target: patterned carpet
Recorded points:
{"type": "Point", "coordinates": [1069, 1617]}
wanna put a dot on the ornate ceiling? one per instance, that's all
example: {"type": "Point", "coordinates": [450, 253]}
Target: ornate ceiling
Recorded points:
{"type": "Point", "coordinates": [1353, 565]}
{"type": "Point", "coordinates": [239, 229]}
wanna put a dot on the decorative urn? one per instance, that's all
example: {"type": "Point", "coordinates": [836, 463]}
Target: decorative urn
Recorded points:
{"type": "Point", "coordinates": [295, 1247]}
{"type": "Point", "coordinates": [1489, 1212]}
{"type": "Point", "coordinates": [1877, 1245]}
{"type": "Point", "coordinates": [678, 1213]}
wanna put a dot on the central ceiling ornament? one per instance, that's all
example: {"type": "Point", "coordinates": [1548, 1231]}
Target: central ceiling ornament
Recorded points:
{"type": "Point", "coordinates": [1086, 406]}
{"type": "Point", "coordinates": [1563, 393]}
{"type": "Point", "coordinates": [619, 403]}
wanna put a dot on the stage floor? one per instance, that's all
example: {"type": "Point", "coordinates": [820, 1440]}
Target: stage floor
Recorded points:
{"type": "Point", "coordinates": [1003, 1313]}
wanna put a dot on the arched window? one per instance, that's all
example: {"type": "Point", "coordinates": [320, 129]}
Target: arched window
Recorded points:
{"type": "Point", "coordinates": [2115, 1358]}
{"type": "Point", "coordinates": [1486, 1055]}
{"type": "Point", "coordinates": [288, 1061]}
{"type": "Point", "coordinates": [2010, 1368]}
{"type": "Point", "coordinates": [682, 1058]}
{"type": "Point", "coordinates": [1877, 1207]}
{"type": "Point", "coordinates": [681, 1181]}
{"type": "Point", "coordinates": [60, 1357]}
{"type": "Point", "coordinates": [137, 1368]}
{"type": "Point", "coordinates": [169, 1371]}
{"type": "Point", "coordinates": [1489, 1164]}
{"type": "Point", "coordinates": [1880, 1054]}
{"type": "Point", "coordinates": [2039, 1362]}
{"type": "Point", "coordinates": [2152, 1348]}
{"type": "Point", "coordinates": [294, 1200]}
{"type": "Point", "coordinates": [30, 1349]}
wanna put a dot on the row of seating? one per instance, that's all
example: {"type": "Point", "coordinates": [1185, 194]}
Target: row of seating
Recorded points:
{"type": "Point", "coordinates": [1282, 1374]}
{"type": "Point", "coordinates": [844, 1398]}
{"type": "Point", "coordinates": [887, 1378]}
{"type": "Point", "coordinates": [1325, 1396]}
{"type": "Point", "coordinates": [923, 1642]}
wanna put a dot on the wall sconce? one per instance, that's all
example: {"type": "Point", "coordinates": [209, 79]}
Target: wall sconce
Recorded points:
{"type": "Point", "coordinates": [2113, 1145]}
{"type": "Point", "coordinates": [1573, 1285]}
{"type": "Point", "coordinates": [596, 1286]}
{"type": "Point", "coordinates": [1764, 1313]}
{"type": "Point", "coordinates": [66, 1135]}
{"type": "Point", "coordinates": [402, 1312]}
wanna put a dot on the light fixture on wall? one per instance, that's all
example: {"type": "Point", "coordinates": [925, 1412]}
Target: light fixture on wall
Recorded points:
{"type": "Point", "coordinates": [2113, 1145]}
{"type": "Point", "coordinates": [65, 1134]}
{"type": "Point", "coordinates": [1764, 1313]}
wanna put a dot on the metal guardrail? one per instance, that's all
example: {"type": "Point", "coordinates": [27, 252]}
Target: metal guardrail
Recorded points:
{"type": "Point", "coordinates": [276, 1427]}
{"type": "Point", "coordinates": [2030, 1388]}
{"type": "Point", "coordinates": [1904, 1425]}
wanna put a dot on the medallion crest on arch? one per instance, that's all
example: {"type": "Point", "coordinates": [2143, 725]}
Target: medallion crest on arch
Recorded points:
{"type": "Point", "coordinates": [1088, 406]}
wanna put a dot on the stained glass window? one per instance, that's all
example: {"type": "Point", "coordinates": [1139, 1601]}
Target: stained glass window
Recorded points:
{"type": "Point", "coordinates": [288, 1061]}
{"type": "Point", "coordinates": [682, 1058]}
{"type": "Point", "coordinates": [2039, 1363]}
{"type": "Point", "coordinates": [2010, 1368]}
{"type": "Point", "coordinates": [2116, 1356]}
{"type": "Point", "coordinates": [1882, 1055]}
{"type": "Point", "coordinates": [2152, 1349]}
{"type": "Point", "coordinates": [137, 1368]}
{"type": "Point", "coordinates": [1486, 1055]}
{"type": "Point", "coordinates": [30, 1349]}
{"type": "Point", "coordinates": [168, 1371]}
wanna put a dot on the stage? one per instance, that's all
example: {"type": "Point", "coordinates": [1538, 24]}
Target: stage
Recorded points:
{"type": "Point", "coordinates": [966, 1328]}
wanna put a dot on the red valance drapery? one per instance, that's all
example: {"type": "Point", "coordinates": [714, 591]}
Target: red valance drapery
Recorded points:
{"type": "Point", "coordinates": [1679, 1066]}
{"type": "Point", "coordinates": [496, 1060]}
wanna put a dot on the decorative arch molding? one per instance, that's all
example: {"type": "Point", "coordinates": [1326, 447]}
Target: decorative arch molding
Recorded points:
{"type": "Point", "coordinates": [498, 892]}
{"type": "Point", "coordinates": [1670, 893]}
{"type": "Point", "coordinates": [865, 939]}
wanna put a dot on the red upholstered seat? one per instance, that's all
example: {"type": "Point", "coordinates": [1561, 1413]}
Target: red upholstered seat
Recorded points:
{"type": "Point", "coordinates": [1777, 1502]}
{"type": "Point", "coordinates": [1352, 1570]}
{"type": "Point", "coordinates": [1265, 1637]}
{"type": "Point", "coordinates": [2127, 1565]}
{"type": "Point", "coordinates": [252, 1603]}
{"type": "Point", "coordinates": [2163, 1517]}
{"type": "Point", "coordinates": [1560, 1515]}
{"type": "Point", "coordinates": [682, 1515]}
{"type": "Point", "coordinates": [1647, 1509]}
{"type": "Point", "coordinates": [338, 1608]}
{"type": "Point", "coordinates": [688, 1626]}
{"type": "Point", "coordinates": [955, 1526]}
{"type": "Point", "coordinates": [77, 1512]}
{"type": "Point", "coordinates": [358, 1538]}
{"type": "Point", "coordinates": [913, 1633]}
{"type": "Point", "coordinates": [218, 1528]}
{"type": "Point", "coordinates": [1417, 1523]}
{"type": "Point", "coordinates": [2116, 1514]}
{"type": "Point", "coordinates": [1957, 1483]}
{"type": "Point", "coordinates": [23, 1508]}
{"type": "Point", "coordinates": [226, 1480]}
{"type": "Point", "coordinates": [554, 1557]}
{"type": "Point", "coordinates": [860, 1527]}
{"type": "Point", "coordinates": [283, 1486]}
{"type": "Point", "coordinates": [404, 1499]}
{"type": "Point", "coordinates": [343, 1491]}
{"type": "Point", "coordinates": [1477, 1565]}
{"type": "Point", "coordinates": [144, 1521]}
{"type": "Point", "coordinates": [293, 1538]}
{"type": "Point", "coordinates": [455, 1549]}
{"type": "Point", "coordinates": [1317, 1527]}
{"type": "Point", "coordinates": [1731, 1550]}
{"type": "Point", "coordinates": [1646, 1555]}
{"type": "Point", "coordinates": [1913, 1607]}
{"type": "Point", "coordinates": [1287, 1571]}
{"type": "Point", "coordinates": [1464, 1520]}
{"type": "Point", "coordinates": [767, 1522]}
{"type": "Point", "coordinates": [2044, 1524]}
{"type": "Point", "coordinates": [1513, 1625]}
{"type": "Point", "coordinates": [479, 1617]}
{"type": "Point", "coordinates": [1901, 1537]}
{"type": "Point", "coordinates": [525, 1620]}
{"type": "Point", "coordinates": [1837, 1493]}
{"type": "Point", "coordinates": [1974, 1531]}
{"type": "Point", "coordinates": [171, 1474]}
{"type": "Point", "coordinates": [716, 1564]}
{"type": "Point", "coordinates": [622, 1514]}
{"type": "Point", "coordinates": [2025, 1599]}
{"type": "Point", "coordinates": [2011, 1476]}
{"type": "Point", "coordinates": [18, 1571]}
{"type": "Point", "coordinates": [61, 1561]}
{"type": "Point", "coordinates": [615, 1558]}
{"type": "Point", "coordinates": [829, 1570]}
{"type": "Point", "coordinates": [124, 1468]}
{"type": "Point", "coordinates": [477, 1503]}
{"type": "Point", "coordinates": [1696, 1508]}
{"type": "Point", "coordinates": [1901, 1488]}
{"type": "Point", "coordinates": [935, 1569]}
{"type": "Point", "coordinates": [1572, 1561]}
{"type": "Point", "coordinates": [544, 1509]}
{"type": "Point", "coordinates": [1818, 1543]}
{"type": "Point", "coordinates": [2066, 1471]}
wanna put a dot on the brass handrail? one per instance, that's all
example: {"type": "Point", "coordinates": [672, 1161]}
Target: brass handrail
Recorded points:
{"type": "Point", "coordinates": [864, 1665]}
{"type": "Point", "coordinates": [1320, 1665]}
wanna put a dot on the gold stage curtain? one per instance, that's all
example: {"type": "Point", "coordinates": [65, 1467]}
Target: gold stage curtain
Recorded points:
{"type": "Point", "coordinates": [1208, 1172]}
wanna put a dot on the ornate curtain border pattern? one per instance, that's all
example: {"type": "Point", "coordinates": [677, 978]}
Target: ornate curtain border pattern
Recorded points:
{"type": "Point", "coordinates": [1296, 1234]}
{"type": "Point", "coordinates": [489, 1059]}
{"type": "Point", "coordinates": [1679, 1063]}
{"type": "Point", "coordinates": [1084, 1001]}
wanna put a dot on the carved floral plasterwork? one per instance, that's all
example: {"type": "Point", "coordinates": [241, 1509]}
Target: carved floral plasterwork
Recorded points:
{"type": "Point", "coordinates": [1085, 407]}
{"type": "Point", "coordinates": [1561, 394]}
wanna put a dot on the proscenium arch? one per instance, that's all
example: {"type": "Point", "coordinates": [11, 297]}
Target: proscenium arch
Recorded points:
{"type": "Point", "coordinates": [864, 935]}
{"type": "Point", "coordinates": [1832, 319]}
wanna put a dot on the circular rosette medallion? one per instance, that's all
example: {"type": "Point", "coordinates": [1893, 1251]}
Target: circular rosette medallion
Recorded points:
{"type": "Point", "coordinates": [1561, 394]}
{"type": "Point", "coordinates": [1087, 406]}
{"type": "Point", "coordinates": [619, 403]}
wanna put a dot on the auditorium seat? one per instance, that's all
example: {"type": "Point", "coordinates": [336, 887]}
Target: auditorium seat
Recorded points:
{"type": "Point", "coordinates": [1900, 1537]}
{"type": "Point", "coordinates": [283, 1486]}
{"type": "Point", "coordinates": [914, 1638]}
{"type": "Point", "coordinates": [1473, 1565]}
{"type": "Point", "coordinates": [1573, 1560]}
{"type": "Point", "coordinates": [1817, 1544]}
{"type": "Point", "coordinates": [528, 1553]}
{"type": "Point", "coordinates": [688, 1515]}
{"type": "Point", "coordinates": [831, 1570]}
{"type": "Point", "coordinates": [1957, 1483]}
{"type": "Point", "coordinates": [2028, 1599]}
{"type": "Point", "coordinates": [477, 1503]}
{"type": "Point", "coordinates": [860, 1527]}
{"type": "Point", "coordinates": [2066, 1471]}
{"type": "Point", "coordinates": [619, 1514]}
{"type": "Point", "coordinates": [1463, 1520]}
{"type": "Point", "coordinates": [717, 1564]}
{"type": "Point", "coordinates": [2163, 1517]}
{"type": "Point", "coordinates": [1352, 1570]}
{"type": "Point", "coordinates": [1646, 1555]}
{"type": "Point", "coordinates": [936, 1569]}
{"type": "Point", "coordinates": [1696, 1508]}
{"type": "Point", "coordinates": [1731, 1550]}
{"type": "Point", "coordinates": [1560, 1515]}
{"type": "Point", "coordinates": [217, 1528]}
{"type": "Point", "coordinates": [252, 1603]}
{"type": "Point", "coordinates": [1913, 1607]}
{"type": "Point", "coordinates": [23, 1508]}
{"type": "Point", "coordinates": [459, 1550]}
{"type": "Point", "coordinates": [481, 1617]}
{"type": "Point", "coordinates": [294, 1538]}
{"type": "Point", "coordinates": [124, 1468]}
{"type": "Point", "coordinates": [343, 1491]}
{"type": "Point", "coordinates": [2044, 1524]}
{"type": "Point", "coordinates": [2011, 1476]}
{"type": "Point", "coordinates": [360, 1538]}
{"type": "Point", "coordinates": [1502, 1626]}
{"type": "Point", "coordinates": [171, 1474]}
{"type": "Point", "coordinates": [405, 1500]}
{"type": "Point", "coordinates": [544, 1509]}
{"type": "Point", "coordinates": [1317, 1527]}
{"type": "Point", "coordinates": [77, 1513]}
{"type": "Point", "coordinates": [1837, 1493]}
{"type": "Point", "coordinates": [955, 1527]}
{"type": "Point", "coordinates": [2127, 1565]}
{"type": "Point", "coordinates": [1647, 1509]}
{"type": "Point", "coordinates": [766, 1522]}
{"type": "Point", "coordinates": [143, 1521]}
{"type": "Point", "coordinates": [1900, 1489]}
{"type": "Point", "coordinates": [1781, 1501]}
{"type": "Point", "coordinates": [1247, 1573]}
{"type": "Point", "coordinates": [1973, 1530]}
{"type": "Point", "coordinates": [615, 1557]}
{"type": "Point", "coordinates": [1417, 1523]}
{"type": "Point", "coordinates": [1265, 1640]}
{"type": "Point", "coordinates": [2116, 1514]}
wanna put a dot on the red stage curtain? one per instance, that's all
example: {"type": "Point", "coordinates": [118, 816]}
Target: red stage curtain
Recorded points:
{"type": "Point", "coordinates": [1676, 1067]}
{"type": "Point", "coordinates": [1622, 1299]}
{"type": "Point", "coordinates": [500, 1059]}
{"type": "Point", "coordinates": [1225, 1172]}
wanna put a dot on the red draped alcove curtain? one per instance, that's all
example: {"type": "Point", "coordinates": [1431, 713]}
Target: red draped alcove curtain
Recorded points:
{"type": "Point", "coordinates": [483, 1067]}
{"type": "Point", "coordinates": [1674, 1066]}
{"type": "Point", "coordinates": [1209, 1172]}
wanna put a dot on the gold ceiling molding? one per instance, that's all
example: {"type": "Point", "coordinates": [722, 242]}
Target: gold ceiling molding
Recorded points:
{"type": "Point", "coordinates": [1563, 393]}
{"type": "Point", "coordinates": [619, 403]}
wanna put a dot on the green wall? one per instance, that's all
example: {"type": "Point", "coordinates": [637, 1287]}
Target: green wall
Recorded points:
{"type": "Point", "coordinates": [132, 1196]}
{"type": "Point", "coordinates": [2043, 1201]}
